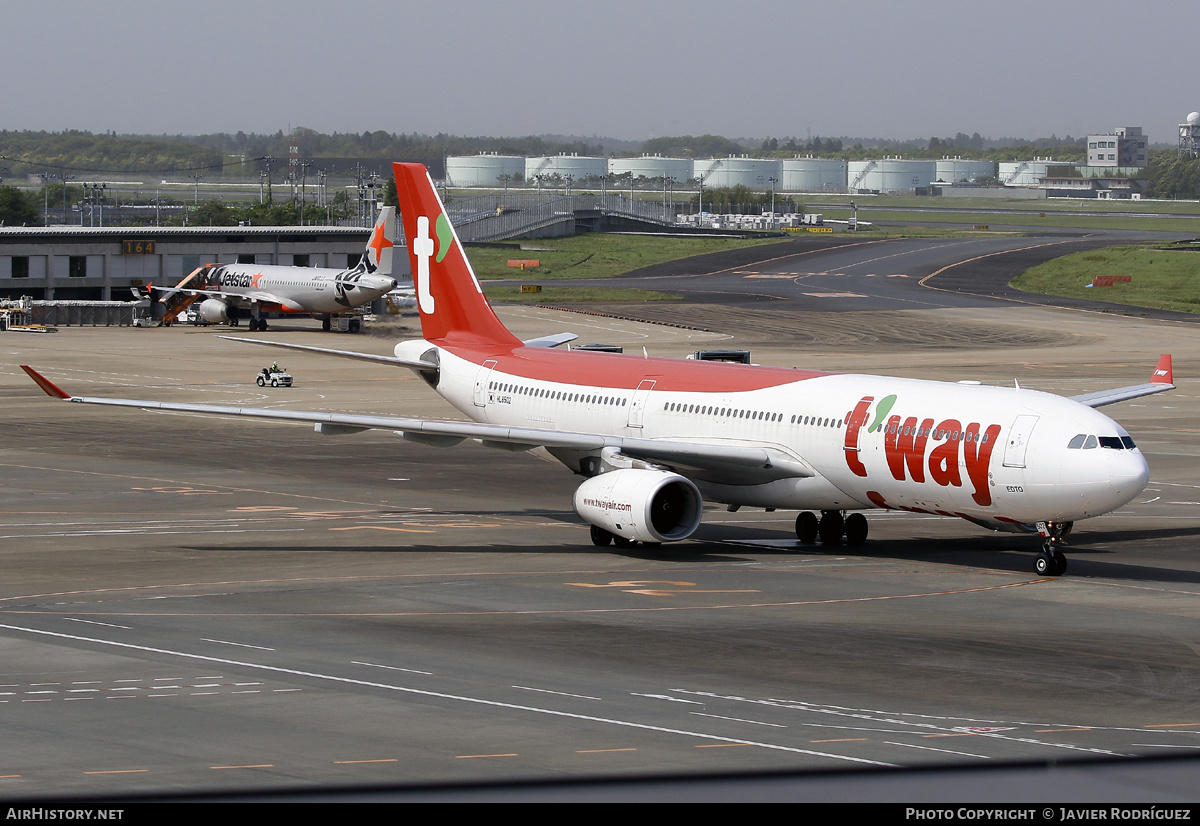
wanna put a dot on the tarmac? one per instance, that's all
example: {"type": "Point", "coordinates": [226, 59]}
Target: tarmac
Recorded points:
{"type": "Point", "coordinates": [194, 604]}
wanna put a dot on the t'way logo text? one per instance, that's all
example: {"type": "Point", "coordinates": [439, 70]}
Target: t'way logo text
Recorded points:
{"type": "Point", "coordinates": [912, 447]}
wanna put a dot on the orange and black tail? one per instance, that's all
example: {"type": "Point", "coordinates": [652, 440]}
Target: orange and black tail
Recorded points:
{"type": "Point", "coordinates": [451, 303]}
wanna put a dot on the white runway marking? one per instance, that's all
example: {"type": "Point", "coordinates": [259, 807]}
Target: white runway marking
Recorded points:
{"type": "Point", "coordinates": [393, 668]}
{"type": "Point", "coordinates": [737, 719]}
{"type": "Point", "coordinates": [916, 721]}
{"type": "Point", "coordinates": [558, 693]}
{"type": "Point", "coordinates": [238, 644]}
{"type": "Point", "coordinates": [93, 622]}
{"type": "Point", "coordinates": [445, 696]}
{"type": "Point", "coordinates": [943, 751]}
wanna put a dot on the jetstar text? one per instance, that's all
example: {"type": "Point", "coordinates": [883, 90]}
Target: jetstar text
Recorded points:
{"type": "Point", "coordinates": [236, 279]}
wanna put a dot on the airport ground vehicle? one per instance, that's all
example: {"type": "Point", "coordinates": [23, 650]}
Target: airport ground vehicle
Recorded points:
{"type": "Point", "coordinates": [273, 376]}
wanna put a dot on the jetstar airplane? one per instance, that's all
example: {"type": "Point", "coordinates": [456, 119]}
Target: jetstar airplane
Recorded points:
{"type": "Point", "coordinates": [653, 438]}
{"type": "Point", "coordinates": [231, 290]}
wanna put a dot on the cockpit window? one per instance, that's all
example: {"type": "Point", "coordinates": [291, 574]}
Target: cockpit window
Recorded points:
{"type": "Point", "coordinates": [1086, 442]}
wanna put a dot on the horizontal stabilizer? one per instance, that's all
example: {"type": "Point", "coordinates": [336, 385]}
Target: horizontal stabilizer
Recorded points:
{"type": "Point", "coordinates": [550, 341]}
{"type": "Point", "coordinates": [1161, 380]}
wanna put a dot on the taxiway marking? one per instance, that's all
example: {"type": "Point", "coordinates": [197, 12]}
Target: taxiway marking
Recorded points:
{"type": "Point", "coordinates": [440, 695]}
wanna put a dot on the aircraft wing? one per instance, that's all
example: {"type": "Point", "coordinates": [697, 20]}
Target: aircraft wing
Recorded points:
{"type": "Point", "coordinates": [250, 295]}
{"type": "Point", "coordinates": [1161, 380]}
{"type": "Point", "coordinates": [755, 464]}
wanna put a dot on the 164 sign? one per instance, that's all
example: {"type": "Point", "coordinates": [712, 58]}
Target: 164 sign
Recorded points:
{"type": "Point", "coordinates": [137, 248]}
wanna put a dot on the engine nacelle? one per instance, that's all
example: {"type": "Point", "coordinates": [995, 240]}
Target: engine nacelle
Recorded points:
{"type": "Point", "coordinates": [646, 505]}
{"type": "Point", "coordinates": [214, 311]}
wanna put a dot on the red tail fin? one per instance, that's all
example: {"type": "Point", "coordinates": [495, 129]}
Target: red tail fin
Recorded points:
{"type": "Point", "coordinates": [449, 298]}
{"type": "Point", "coordinates": [1162, 371]}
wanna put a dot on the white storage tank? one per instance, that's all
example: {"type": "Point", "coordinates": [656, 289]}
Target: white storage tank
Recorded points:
{"type": "Point", "coordinates": [578, 167]}
{"type": "Point", "coordinates": [755, 173]}
{"type": "Point", "coordinates": [955, 170]}
{"type": "Point", "coordinates": [653, 166]}
{"type": "Point", "coordinates": [486, 169]}
{"type": "Point", "coordinates": [890, 175]}
{"type": "Point", "coordinates": [814, 175]}
{"type": "Point", "coordinates": [1026, 173]}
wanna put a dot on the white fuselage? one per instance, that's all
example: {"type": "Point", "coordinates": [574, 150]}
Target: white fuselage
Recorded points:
{"type": "Point", "coordinates": [296, 289]}
{"type": "Point", "coordinates": [997, 456]}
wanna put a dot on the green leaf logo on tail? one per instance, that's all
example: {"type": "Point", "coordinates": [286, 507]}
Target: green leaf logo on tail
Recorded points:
{"type": "Point", "coordinates": [444, 236]}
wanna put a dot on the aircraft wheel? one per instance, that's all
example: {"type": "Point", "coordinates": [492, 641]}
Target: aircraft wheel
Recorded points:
{"type": "Point", "coordinates": [260, 381]}
{"type": "Point", "coordinates": [262, 324]}
{"type": "Point", "coordinates": [1044, 565]}
{"type": "Point", "coordinates": [1060, 562]}
{"type": "Point", "coordinates": [253, 325]}
{"type": "Point", "coordinates": [326, 324]}
{"type": "Point", "coordinates": [806, 527]}
{"type": "Point", "coordinates": [831, 528]}
{"type": "Point", "coordinates": [856, 529]}
{"type": "Point", "coordinates": [233, 322]}
{"type": "Point", "coordinates": [600, 536]}
{"type": "Point", "coordinates": [622, 542]}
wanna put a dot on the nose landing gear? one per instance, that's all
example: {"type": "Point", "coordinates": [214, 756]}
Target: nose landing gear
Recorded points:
{"type": "Point", "coordinates": [1051, 561]}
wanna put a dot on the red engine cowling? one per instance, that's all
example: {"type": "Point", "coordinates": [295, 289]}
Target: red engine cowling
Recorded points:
{"type": "Point", "coordinates": [646, 505]}
{"type": "Point", "coordinates": [213, 310]}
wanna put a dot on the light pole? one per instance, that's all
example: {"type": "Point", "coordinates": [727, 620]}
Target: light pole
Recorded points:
{"type": "Point", "coordinates": [304, 167]}
{"type": "Point", "coordinates": [270, 159]}
{"type": "Point", "coordinates": [46, 176]}
{"type": "Point", "coordinates": [772, 179]}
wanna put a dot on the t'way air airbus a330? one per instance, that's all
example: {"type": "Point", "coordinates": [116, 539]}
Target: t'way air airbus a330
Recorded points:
{"type": "Point", "coordinates": [230, 291]}
{"type": "Point", "coordinates": [655, 437]}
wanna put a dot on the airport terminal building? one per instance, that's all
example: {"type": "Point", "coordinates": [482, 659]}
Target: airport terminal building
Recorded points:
{"type": "Point", "coordinates": [94, 264]}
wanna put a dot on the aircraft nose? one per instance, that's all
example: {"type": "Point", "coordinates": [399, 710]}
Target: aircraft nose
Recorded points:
{"type": "Point", "coordinates": [1128, 474]}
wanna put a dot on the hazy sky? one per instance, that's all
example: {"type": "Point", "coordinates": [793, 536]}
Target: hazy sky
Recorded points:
{"type": "Point", "coordinates": [630, 70]}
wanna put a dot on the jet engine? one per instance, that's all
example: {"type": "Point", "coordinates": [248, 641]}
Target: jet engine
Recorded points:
{"type": "Point", "coordinates": [214, 311]}
{"type": "Point", "coordinates": [646, 505]}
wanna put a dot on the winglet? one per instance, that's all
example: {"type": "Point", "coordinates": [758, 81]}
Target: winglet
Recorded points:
{"type": "Point", "coordinates": [50, 387]}
{"type": "Point", "coordinates": [1162, 371]}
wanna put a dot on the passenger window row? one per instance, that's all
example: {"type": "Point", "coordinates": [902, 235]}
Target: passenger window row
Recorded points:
{"type": "Point", "coordinates": [556, 395]}
{"type": "Point", "coordinates": [757, 415]}
{"type": "Point", "coordinates": [723, 412]}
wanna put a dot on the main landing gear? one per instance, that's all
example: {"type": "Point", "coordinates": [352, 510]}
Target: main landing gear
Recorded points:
{"type": "Point", "coordinates": [831, 527]}
{"type": "Point", "coordinates": [1051, 561]}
